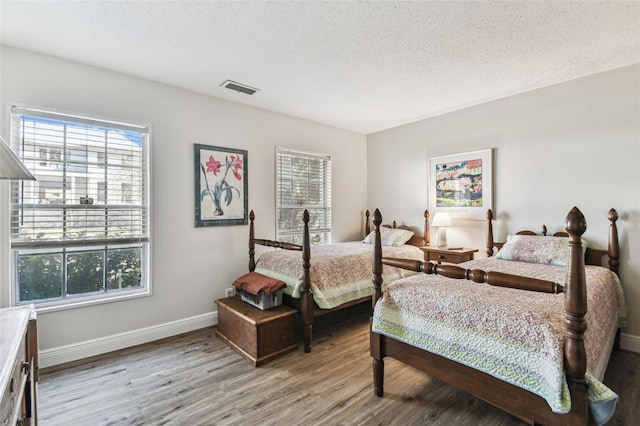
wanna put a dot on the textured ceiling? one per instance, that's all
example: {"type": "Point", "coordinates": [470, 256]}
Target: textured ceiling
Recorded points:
{"type": "Point", "coordinates": [363, 66]}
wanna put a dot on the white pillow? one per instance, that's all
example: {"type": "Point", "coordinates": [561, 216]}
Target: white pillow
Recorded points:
{"type": "Point", "coordinates": [537, 249]}
{"type": "Point", "coordinates": [390, 236]}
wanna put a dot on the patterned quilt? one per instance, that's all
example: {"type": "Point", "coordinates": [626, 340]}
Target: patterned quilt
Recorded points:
{"type": "Point", "coordinates": [339, 272]}
{"type": "Point", "coordinates": [514, 335]}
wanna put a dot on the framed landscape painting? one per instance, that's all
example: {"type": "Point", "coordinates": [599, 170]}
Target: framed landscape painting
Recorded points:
{"type": "Point", "coordinates": [461, 184]}
{"type": "Point", "coordinates": [220, 186]}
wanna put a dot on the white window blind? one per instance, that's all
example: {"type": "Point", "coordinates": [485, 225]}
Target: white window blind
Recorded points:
{"type": "Point", "coordinates": [303, 181]}
{"type": "Point", "coordinates": [90, 181]}
{"type": "Point", "coordinates": [88, 208]}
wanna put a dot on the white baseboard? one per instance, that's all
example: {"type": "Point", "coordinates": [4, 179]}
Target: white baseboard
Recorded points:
{"type": "Point", "coordinates": [629, 342]}
{"type": "Point", "coordinates": [88, 348]}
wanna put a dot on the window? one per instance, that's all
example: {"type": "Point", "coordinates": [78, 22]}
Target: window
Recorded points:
{"type": "Point", "coordinates": [303, 181]}
{"type": "Point", "coordinates": [80, 231]}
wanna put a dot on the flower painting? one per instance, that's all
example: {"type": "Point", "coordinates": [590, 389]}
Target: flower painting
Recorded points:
{"type": "Point", "coordinates": [461, 184]}
{"type": "Point", "coordinates": [221, 186]}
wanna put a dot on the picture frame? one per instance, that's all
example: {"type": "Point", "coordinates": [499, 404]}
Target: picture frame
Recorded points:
{"type": "Point", "coordinates": [462, 184]}
{"type": "Point", "coordinates": [221, 186]}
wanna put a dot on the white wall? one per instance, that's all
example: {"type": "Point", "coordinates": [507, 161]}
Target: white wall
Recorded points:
{"type": "Point", "coordinates": [191, 266]}
{"type": "Point", "coordinates": [576, 143]}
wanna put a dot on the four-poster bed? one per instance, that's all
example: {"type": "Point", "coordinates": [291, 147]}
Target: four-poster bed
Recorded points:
{"type": "Point", "coordinates": [337, 275]}
{"type": "Point", "coordinates": [485, 339]}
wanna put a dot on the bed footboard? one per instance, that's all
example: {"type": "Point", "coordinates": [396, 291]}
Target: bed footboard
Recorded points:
{"type": "Point", "coordinates": [269, 243]}
{"type": "Point", "coordinates": [306, 297]}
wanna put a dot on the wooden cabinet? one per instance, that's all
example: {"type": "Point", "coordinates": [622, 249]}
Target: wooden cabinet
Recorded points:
{"type": "Point", "coordinates": [449, 256]}
{"type": "Point", "coordinates": [19, 366]}
{"type": "Point", "coordinates": [257, 335]}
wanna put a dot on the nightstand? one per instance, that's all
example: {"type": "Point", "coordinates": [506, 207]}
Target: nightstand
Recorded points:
{"type": "Point", "coordinates": [449, 256]}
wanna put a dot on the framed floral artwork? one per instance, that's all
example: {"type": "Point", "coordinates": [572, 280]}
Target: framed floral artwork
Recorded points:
{"type": "Point", "coordinates": [221, 186]}
{"type": "Point", "coordinates": [461, 184]}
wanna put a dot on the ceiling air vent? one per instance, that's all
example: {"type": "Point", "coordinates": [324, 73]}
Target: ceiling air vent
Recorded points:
{"type": "Point", "coordinates": [238, 87]}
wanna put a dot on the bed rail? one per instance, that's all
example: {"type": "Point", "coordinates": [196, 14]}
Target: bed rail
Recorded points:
{"type": "Point", "coordinates": [499, 279]}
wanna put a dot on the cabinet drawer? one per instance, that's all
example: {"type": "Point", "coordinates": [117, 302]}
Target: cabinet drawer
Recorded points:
{"type": "Point", "coordinates": [447, 257]}
{"type": "Point", "coordinates": [11, 405]}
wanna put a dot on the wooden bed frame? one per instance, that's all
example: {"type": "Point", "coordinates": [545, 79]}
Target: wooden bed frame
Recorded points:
{"type": "Point", "coordinates": [512, 399]}
{"type": "Point", "coordinates": [305, 305]}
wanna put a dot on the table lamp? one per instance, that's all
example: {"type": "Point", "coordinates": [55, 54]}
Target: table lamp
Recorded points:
{"type": "Point", "coordinates": [442, 220]}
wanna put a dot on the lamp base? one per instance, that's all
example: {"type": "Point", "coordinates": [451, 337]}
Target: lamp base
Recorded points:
{"type": "Point", "coordinates": [442, 238]}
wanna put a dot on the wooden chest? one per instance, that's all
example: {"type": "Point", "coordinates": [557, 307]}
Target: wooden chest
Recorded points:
{"type": "Point", "coordinates": [257, 335]}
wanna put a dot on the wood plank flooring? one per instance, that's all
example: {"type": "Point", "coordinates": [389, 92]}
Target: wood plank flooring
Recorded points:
{"type": "Point", "coordinates": [195, 379]}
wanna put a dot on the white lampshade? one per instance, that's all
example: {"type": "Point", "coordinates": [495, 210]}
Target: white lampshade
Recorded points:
{"type": "Point", "coordinates": [10, 165]}
{"type": "Point", "coordinates": [442, 220]}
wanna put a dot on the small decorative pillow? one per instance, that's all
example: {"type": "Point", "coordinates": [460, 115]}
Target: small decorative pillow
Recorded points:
{"type": "Point", "coordinates": [537, 249]}
{"type": "Point", "coordinates": [390, 236]}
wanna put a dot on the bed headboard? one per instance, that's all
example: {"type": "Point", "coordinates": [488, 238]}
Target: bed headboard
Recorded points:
{"type": "Point", "coordinates": [592, 256]}
{"type": "Point", "coordinates": [416, 240]}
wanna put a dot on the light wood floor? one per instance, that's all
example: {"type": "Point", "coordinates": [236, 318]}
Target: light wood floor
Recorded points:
{"type": "Point", "coordinates": [195, 379]}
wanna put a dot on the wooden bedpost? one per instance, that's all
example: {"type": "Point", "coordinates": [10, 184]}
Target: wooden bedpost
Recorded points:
{"type": "Point", "coordinates": [377, 364]}
{"type": "Point", "coordinates": [575, 304]}
{"type": "Point", "coordinates": [489, 233]}
{"type": "Point", "coordinates": [427, 229]}
{"type": "Point", "coordinates": [377, 259]}
{"type": "Point", "coordinates": [306, 297]}
{"type": "Point", "coordinates": [375, 341]}
{"type": "Point", "coordinates": [252, 247]}
{"type": "Point", "coordinates": [614, 247]}
{"type": "Point", "coordinates": [367, 224]}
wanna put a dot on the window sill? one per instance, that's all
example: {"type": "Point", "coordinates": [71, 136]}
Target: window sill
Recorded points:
{"type": "Point", "coordinates": [83, 302]}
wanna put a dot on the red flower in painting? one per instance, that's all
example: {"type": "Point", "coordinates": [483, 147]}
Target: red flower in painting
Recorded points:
{"type": "Point", "coordinates": [236, 163]}
{"type": "Point", "coordinates": [213, 166]}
